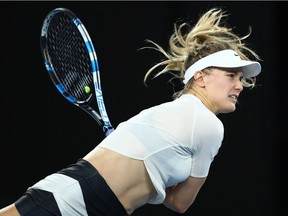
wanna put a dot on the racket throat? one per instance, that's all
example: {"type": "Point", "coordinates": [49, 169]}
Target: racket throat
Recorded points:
{"type": "Point", "coordinates": [106, 129]}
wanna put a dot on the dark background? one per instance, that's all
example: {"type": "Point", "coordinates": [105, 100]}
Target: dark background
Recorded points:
{"type": "Point", "coordinates": [41, 132]}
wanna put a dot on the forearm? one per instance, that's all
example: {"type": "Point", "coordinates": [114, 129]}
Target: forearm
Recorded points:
{"type": "Point", "coordinates": [169, 199]}
{"type": "Point", "coordinates": [181, 196]}
{"type": "Point", "coordinates": [173, 202]}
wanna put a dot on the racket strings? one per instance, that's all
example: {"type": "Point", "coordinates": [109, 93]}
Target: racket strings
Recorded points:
{"type": "Point", "coordinates": [71, 61]}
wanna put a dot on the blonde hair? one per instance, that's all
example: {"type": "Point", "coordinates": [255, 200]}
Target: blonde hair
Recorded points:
{"type": "Point", "coordinates": [189, 44]}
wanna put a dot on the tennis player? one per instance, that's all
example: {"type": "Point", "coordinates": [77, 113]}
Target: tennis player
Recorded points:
{"type": "Point", "coordinates": [163, 154]}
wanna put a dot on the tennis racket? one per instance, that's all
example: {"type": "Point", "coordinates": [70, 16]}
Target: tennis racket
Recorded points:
{"type": "Point", "coordinates": [72, 64]}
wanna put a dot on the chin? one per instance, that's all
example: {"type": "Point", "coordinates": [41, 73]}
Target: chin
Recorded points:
{"type": "Point", "coordinates": [228, 110]}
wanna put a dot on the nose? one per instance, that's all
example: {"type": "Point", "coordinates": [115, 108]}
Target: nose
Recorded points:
{"type": "Point", "coordinates": [239, 85]}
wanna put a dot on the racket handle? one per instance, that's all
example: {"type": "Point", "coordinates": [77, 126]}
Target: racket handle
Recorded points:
{"type": "Point", "coordinates": [108, 131]}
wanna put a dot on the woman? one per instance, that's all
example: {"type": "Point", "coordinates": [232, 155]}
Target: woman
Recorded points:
{"type": "Point", "coordinates": [163, 154]}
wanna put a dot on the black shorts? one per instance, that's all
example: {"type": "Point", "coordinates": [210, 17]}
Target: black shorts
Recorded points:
{"type": "Point", "coordinates": [76, 190]}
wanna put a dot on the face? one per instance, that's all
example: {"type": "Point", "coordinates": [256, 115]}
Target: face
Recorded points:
{"type": "Point", "coordinates": [222, 88]}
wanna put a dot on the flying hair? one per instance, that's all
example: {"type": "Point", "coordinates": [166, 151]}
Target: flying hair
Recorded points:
{"type": "Point", "coordinates": [188, 44]}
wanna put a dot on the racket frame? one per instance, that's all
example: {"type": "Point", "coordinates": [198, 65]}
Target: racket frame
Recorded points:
{"type": "Point", "coordinates": [102, 119]}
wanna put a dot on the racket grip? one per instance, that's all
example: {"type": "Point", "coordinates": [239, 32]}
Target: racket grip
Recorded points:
{"type": "Point", "coordinates": [108, 131]}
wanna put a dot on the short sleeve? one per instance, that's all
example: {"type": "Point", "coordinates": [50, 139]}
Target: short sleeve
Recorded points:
{"type": "Point", "coordinates": [207, 140]}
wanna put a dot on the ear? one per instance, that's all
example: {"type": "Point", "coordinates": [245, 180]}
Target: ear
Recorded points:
{"type": "Point", "coordinates": [198, 76]}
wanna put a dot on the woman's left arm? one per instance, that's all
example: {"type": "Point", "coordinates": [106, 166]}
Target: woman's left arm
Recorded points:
{"type": "Point", "coordinates": [181, 196]}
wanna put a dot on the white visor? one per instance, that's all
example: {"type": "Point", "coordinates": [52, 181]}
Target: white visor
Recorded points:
{"type": "Point", "coordinates": [224, 59]}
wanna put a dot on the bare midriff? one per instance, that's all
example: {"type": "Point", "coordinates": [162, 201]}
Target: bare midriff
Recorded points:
{"type": "Point", "coordinates": [127, 177]}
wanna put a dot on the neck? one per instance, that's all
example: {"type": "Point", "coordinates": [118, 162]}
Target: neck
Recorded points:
{"type": "Point", "coordinates": [201, 95]}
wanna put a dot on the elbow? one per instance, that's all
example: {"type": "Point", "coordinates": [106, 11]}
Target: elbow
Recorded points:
{"type": "Point", "coordinates": [178, 207]}
{"type": "Point", "coordinates": [181, 208]}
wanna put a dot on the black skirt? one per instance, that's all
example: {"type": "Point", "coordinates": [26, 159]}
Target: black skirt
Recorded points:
{"type": "Point", "coordinates": [78, 190]}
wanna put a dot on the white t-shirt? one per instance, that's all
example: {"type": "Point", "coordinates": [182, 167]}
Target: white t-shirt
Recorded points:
{"type": "Point", "coordinates": [176, 139]}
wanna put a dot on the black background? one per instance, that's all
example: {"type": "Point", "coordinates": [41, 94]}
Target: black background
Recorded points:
{"type": "Point", "coordinates": [41, 132]}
